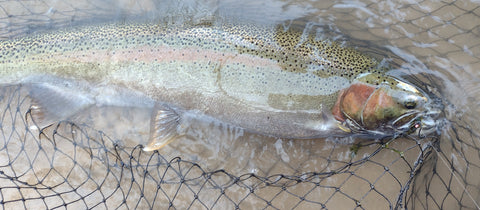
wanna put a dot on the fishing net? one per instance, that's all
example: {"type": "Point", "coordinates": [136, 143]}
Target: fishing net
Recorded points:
{"type": "Point", "coordinates": [76, 164]}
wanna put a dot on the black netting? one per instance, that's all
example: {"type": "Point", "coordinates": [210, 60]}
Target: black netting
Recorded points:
{"type": "Point", "coordinates": [78, 165]}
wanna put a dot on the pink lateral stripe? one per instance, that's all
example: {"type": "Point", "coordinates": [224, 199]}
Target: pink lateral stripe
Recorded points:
{"type": "Point", "coordinates": [164, 54]}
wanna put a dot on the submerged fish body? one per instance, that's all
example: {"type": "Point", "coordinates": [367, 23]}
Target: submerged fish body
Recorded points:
{"type": "Point", "coordinates": [264, 79]}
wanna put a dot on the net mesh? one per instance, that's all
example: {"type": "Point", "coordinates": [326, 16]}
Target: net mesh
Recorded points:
{"type": "Point", "coordinates": [76, 165]}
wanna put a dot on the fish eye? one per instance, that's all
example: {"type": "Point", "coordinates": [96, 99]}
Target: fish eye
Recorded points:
{"type": "Point", "coordinates": [410, 104]}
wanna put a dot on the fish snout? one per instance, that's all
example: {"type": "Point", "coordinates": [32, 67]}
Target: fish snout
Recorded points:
{"type": "Point", "coordinates": [429, 122]}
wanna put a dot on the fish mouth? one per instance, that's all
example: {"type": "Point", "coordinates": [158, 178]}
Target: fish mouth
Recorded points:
{"type": "Point", "coordinates": [419, 123]}
{"type": "Point", "coordinates": [427, 124]}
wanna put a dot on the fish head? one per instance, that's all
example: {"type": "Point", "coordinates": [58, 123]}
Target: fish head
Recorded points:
{"type": "Point", "coordinates": [385, 105]}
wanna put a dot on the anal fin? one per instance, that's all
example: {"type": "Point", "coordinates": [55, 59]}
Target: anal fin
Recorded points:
{"type": "Point", "coordinates": [164, 127]}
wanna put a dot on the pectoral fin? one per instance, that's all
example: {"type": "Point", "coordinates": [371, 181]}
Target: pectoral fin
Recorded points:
{"type": "Point", "coordinates": [164, 127]}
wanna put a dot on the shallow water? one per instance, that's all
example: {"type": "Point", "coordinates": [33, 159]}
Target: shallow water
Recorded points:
{"type": "Point", "coordinates": [436, 42]}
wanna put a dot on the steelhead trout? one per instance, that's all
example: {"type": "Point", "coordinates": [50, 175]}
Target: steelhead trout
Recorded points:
{"type": "Point", "coordinates": [267, 80]}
